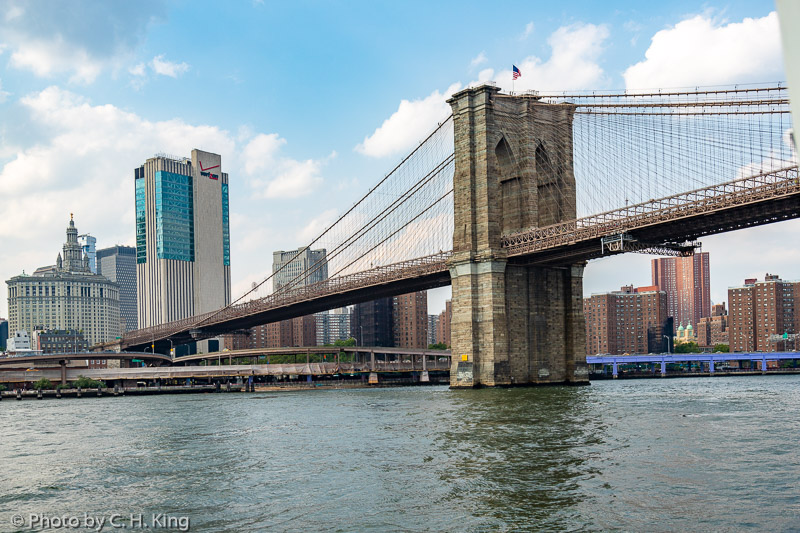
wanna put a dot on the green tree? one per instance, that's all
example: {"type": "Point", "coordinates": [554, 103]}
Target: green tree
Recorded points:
{"type": "Point", "coordinates": [345, 342]}
{"type": "Point", "coordinates": [87, 383]}
{"type": "Point", "coordinates": [43, 384]}
{"type": "Point", "coordinates": [687, 347]}
{"type": "Point", "coordinates": [437, 346]}
{"type": "Point", "coordinates": [724, 348]}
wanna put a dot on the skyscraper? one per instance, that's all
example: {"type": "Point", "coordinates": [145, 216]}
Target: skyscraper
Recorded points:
{"type": "Point", "coordinates": [182, 237]}
{"type": "Point", "coordinates": [686, 281]}
{"type": "Point", "coordinates": [65, 296]}
{"type": "Point", "coordinates": [287, 266]}
{"type": "Point", "coordinates": [118, 263]}
{"type": "Point", "coordinates": [88, 244]}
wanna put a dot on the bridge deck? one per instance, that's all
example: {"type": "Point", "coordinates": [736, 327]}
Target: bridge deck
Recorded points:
{"type": "Point", "coordinates": [761, 199]}
{"type": "Point", "coordinates": [197, 372]}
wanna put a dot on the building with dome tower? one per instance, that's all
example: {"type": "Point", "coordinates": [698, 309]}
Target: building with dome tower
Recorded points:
{"type": "Point", "coordinates": [685, 334]}
{"type": "Point", "coordinates": [65, 296]}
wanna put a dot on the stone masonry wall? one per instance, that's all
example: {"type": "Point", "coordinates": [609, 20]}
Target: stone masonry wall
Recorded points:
{"type": "Point", "coordinates": [512, 324]}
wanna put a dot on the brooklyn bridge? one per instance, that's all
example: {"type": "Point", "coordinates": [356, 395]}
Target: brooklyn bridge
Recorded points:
{"type": "Point", "coordinates": [510, 196]}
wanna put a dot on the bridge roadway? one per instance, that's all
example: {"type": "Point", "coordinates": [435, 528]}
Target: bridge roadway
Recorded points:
{"type": "Point", "coordinates": [156, 358]}
{"type": "Point", "coordinates": [368, 359]}
{"type": "Point", "coordinates": [355, 350]}
{"type": "Point", "coordinates": [223, 371]}
{"type": "Point", "coordinates": [752, 201]}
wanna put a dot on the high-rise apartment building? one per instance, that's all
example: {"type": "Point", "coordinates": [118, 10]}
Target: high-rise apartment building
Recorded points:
{"type": "Point", "coordinates": [287, 266]}
{"type": "Point", "coordinates": [118, 263]}
{"type": "Point", "coordinates": [371, 323]}
{"type": "Point", "coordinates": [433, 326]}
{"type": "Point", "coordinates": [686, 280]}
{"type": "Point", "coordinates": [410, 320]}
{"type": "Point", "coordinates": [626, 321]}
{"type": "Point", "coordinates": [66, 296]}
{"type": "Point", "coordinates": [713, 330]}
{"type": "Point", "coordinates": [332, 326]}
{"type": "Point", "coordinates": [443, 326]}
{"type": "Point", "coordinates": [182, 237]}
{"type": "Point", "coordinates": [759, 309]}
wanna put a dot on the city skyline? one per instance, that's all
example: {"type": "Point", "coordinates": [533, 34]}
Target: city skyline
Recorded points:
{"type": "Point", "coordinates": [89, 113]}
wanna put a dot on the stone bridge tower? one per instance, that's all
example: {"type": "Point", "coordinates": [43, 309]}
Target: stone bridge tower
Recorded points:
{"type": "Point", "coordinates": [512, 324]}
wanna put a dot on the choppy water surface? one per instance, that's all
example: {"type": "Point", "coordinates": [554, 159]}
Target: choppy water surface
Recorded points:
{"type": "Point", "coordinates": [714, 454]}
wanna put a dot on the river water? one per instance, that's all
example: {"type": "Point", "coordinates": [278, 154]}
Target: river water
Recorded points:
{"type": "Point", "coordinates": [701, 454]}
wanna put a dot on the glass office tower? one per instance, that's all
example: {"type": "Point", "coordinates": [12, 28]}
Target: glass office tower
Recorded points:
{"type": "Point", "coordinates": [182, 237]}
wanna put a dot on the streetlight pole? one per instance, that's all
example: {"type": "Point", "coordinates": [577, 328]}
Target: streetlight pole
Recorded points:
{"type": "Point", "coordinates": [667, 337]}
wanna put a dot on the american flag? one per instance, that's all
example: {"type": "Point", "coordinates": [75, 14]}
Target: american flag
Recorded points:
{"type": "Point", "coordinates": [515, 72]}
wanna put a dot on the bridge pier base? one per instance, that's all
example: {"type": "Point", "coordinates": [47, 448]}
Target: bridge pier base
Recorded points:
{"type": "Point", "coordinates": [517, 325]}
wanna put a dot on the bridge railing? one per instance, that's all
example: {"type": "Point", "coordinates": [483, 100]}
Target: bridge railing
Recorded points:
{"type": "Point", "coordinates": [763, 186]}
{"type": "Point", "coordinates": [421, 266]}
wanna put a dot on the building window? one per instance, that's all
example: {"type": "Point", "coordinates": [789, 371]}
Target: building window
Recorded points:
{"type": "Point", "coordinates": [141, 221]}
{"type": "Point", "coordinates": [174, 216]}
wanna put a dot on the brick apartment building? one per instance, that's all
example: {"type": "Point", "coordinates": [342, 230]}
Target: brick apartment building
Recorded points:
{"type": "Point", "coordinates": [759, 309]}
{"type": "Point", "coordinates": [631, 320]}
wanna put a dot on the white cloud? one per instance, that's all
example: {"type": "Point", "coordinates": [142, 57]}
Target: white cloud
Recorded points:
{"type": "Point", "coordinates": [137, 70]}
{"type": "Point", "coordinates": [259, 154]}
{"type": "Point", "coordinates": [47, 57]}
{"type": "Point", "coordinates": [296, 178]}
{"type": "Point", "coordinates": [480, 59]}
{"type": "Point", "coordinates": [3, 94]}
{"type": "Point", "coordinates": [485, 75]}
{"type": "Point", "coordinates": [79, 39]}
{"type": "Point", "coordinates": [408, 125]}
{"type": "Point", "coordinates": [528, 31]}
{"type": "Point", "coordinates": [276, 176]}
{"type": "Point", "coordinates": [14, 12]}
{"type": "Point", "coordinates": [702, 51]}
{"type": "Point", "coordinates": [573, 63]}
{"type": "Point", "coordinates": [168, 68]}
{"type": "Point", "coordinates": [317, 225]}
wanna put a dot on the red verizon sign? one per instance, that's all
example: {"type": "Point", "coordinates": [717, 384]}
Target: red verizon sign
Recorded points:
{"type": "Point", "coordinates": [205, 171]}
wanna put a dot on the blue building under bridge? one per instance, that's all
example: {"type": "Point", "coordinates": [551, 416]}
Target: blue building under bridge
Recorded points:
{"type": "Point", "coordinates": [705, 362]}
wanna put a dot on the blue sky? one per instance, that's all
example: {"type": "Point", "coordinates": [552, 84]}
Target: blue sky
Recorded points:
{"type": "Point", "coordinates": [310, 103]}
